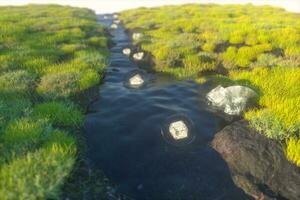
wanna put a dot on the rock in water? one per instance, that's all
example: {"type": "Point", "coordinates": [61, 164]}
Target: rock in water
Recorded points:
{"type": "Point", "coordinates": [115, 16]}
{"type": "Point", "coordinates": [137, 36]}
{"type": "Point", "coordinates": [136, 80]}
{"type": "Point", "coordinates": [138, 56]}
{"type": "Point", "coordinates": [217, 96]}
{"type": "Point", "coordinates": [117, 21]}
{"type": "Point", "coordinates": [114, 26]}
{"type": "Point", "coordinates": [178, 130]}
{"type": "Point", "coordinates": [257, 164]}
{"type": "Point", "coordinates": [127, 51]}
{"type": "Point", "coordinates": [233, 100]}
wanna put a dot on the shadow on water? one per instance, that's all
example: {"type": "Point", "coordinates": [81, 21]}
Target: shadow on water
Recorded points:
{"type": "Point", "coordinates": [124, 138]}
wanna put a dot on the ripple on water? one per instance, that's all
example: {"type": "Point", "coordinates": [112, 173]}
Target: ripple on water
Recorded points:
{"type": "Point", "coordinates": [124, 138]}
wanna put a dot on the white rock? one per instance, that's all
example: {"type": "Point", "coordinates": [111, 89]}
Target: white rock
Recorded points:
{"type": "Point", "coordinates": [178, 130]}
{"type": "Point", "coordinates": [105, 17]}
{"type": "Point", "coordinates": [137, 36]}
{"type": "Point", "coordinates": [136, 80]}
{"type": "Point", "coordinates": [115, 16]}
{"type": "Point", "coordinates": [127, 51]}
{"type": "Point", "coordinates": [234, 99]}
{"type": "Point", "coordinates": [138, 56]}
{"type": "Point", "coordinates": [217, 96]}
{"type": "Point", "coordinates": [114, 26]}
{"type": "Point", "coordinates": [117, 21]}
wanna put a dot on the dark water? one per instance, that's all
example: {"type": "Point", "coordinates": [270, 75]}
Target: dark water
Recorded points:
{"type": "Point", "coordinates": [124, 137]}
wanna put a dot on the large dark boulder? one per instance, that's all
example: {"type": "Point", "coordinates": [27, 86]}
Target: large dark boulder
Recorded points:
{"type": "Point", "coordinates": [258, 164]}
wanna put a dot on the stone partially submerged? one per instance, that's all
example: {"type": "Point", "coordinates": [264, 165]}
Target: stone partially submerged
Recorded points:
{"type": "Point", "coordinates": [137, 36]}
{"type": "Point", "coordinates": [257, 164]}
{"type": "Point", "coordinates": [115, 16]}
{"type": "Point", "coordinates": [138, 56]}
{"type": "Point", "coordinates": [117, 21]}
{"type": "Point", "coordinates": [233, 100]}
{"type": "Point", "coordinates": [114, 26]}
{"type": "Point", "coordinates": [178, 130]}
{"type": "Point", "coordinates": [136, 80]}
{"type": "Point", "coordinates": [126, 51]}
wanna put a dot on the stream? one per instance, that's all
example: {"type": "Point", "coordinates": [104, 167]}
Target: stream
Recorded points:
{"type": "Point", "coordinates": [125, 140]}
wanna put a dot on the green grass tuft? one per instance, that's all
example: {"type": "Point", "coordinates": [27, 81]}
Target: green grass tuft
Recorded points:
{"type": "Point", "coordinates": [60, 114]}
{"type": "Point", "coordinates": [48, 54]}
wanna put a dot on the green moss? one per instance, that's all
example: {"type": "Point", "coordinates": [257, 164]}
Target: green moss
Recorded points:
{"type": "Point", "coordinates": [20, 82]}
{"type": "Point", "coordinates": [39, 174]}
{"type": "Point", "coordinates": [237, 34]}
{"type": "Point", "coordinates": [279, 89]}
{"type": "Point", "coordinates": [53, 52]}
{"type": "Point", "coordinates": [293, 150]}
{"type": "Point", "coordinates": [59, 113]}
{"type": "Point", "coordinates": [61, 85]}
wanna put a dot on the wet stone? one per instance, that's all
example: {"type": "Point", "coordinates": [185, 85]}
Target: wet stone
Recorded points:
{"type": "Point", "coordinates": [138, 56]}
{"type": "Point", "coordinates": [126, 51]}
{"type": "Point", "coordinates": [136, 80]}
{"type": "Point", "coordinates": [117, 21]}
{"type": "Point", "coordinates": [233, 100]}
{"type": "Point", "coordinates": [137, 36]}
{"type": "Point", "coordinates": [178, 130]}
{"type": "Point", "coordinates": [114, 26]}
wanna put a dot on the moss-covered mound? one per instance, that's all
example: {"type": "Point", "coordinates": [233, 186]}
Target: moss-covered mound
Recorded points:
{"type": "Point", "coordinates": [48, 55]}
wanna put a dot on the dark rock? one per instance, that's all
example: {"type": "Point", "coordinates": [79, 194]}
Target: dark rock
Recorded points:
{"type": "Point", "coordinates": [258, 164]}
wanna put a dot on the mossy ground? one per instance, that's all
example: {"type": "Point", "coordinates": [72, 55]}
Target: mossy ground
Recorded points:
{"type": "Point", "coordinates": [235, 44]}
{"type": "Point", "coordinates": [48, 55]}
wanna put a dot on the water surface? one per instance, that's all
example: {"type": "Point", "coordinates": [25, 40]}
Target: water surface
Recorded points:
{"type": "Point", "coordinates": [123, 130]}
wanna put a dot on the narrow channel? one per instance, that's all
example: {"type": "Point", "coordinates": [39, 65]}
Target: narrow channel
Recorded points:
{"type": "Point", "coordinates": [125, 140]}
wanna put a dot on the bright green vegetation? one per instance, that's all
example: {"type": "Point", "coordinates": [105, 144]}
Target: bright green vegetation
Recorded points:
{"type": "Point", "coordinates": [279, 115]}
{"type": "Point", "coordinates": [192, 39]}
{"type": "Point", "coordinates": [49, 55]}
{"type": "Point", "coordinates": [254, 46]}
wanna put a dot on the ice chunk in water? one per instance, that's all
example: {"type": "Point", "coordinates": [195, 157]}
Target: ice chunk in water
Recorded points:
{"type": "Point", "coordinates": [114, 26]}
{"type": "Point", "coordinates": [136, 80]}
{"type": "Point", "coordinates": [178, 130]}
{"type": "Point", "coordinates": [138, 56]}
{"type": "Point", "coordinates": [127, 51]}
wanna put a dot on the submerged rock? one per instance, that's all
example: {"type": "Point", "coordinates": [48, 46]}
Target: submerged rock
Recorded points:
{"type": "Point", "coordinates": [178, 130]}
{"type": "Point", "coordinates": [126, 51]}
{"type": "Point", "coordinates": [258, 165]}
{"type": "Point", "coordinates": [233, 100]}
{"type": "Point", "coordinates": [138, 56]}
{"type": "Point", "coordinates": [136, 80]}
{"type": "Point", "coordinates": [137, 36]}
{"type": "Point", "coordinates": [114, 26]}
{"type": "Point", "coordinates": [117, 21]}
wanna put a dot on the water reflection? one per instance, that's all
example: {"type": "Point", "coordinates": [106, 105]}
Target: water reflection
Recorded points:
{"type": "Point", "coordinates": [124, 136]}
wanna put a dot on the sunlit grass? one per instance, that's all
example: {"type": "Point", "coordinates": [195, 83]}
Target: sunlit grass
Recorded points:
{"type": "Point", "coordinates": [236, 35]}
{"type": "Point", "coordinates": [293, 150]}
{"type": "Point", "coordinates": [46, 53]}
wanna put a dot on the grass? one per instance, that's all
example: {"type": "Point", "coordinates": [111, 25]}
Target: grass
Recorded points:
{"type": "Point", "coordinates": [279, 101]}
{"type": "Point", "coordinates": [236, 36]}
{"type": "Point", "coordinates": [48, 55]}
{"type": "Point", "coordinates": [60, 114]}
{"type": "Point", "coordinates": [255, 46]}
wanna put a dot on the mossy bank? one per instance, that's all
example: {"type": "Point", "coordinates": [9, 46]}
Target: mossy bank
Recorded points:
{"type": "Point", "coordinates": [49, 56]}
{"type": "Point", "coordinates": [232, 44]}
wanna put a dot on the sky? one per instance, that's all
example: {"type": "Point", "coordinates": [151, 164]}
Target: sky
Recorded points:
{"type": "Point", "coordinates": [110, 6]}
